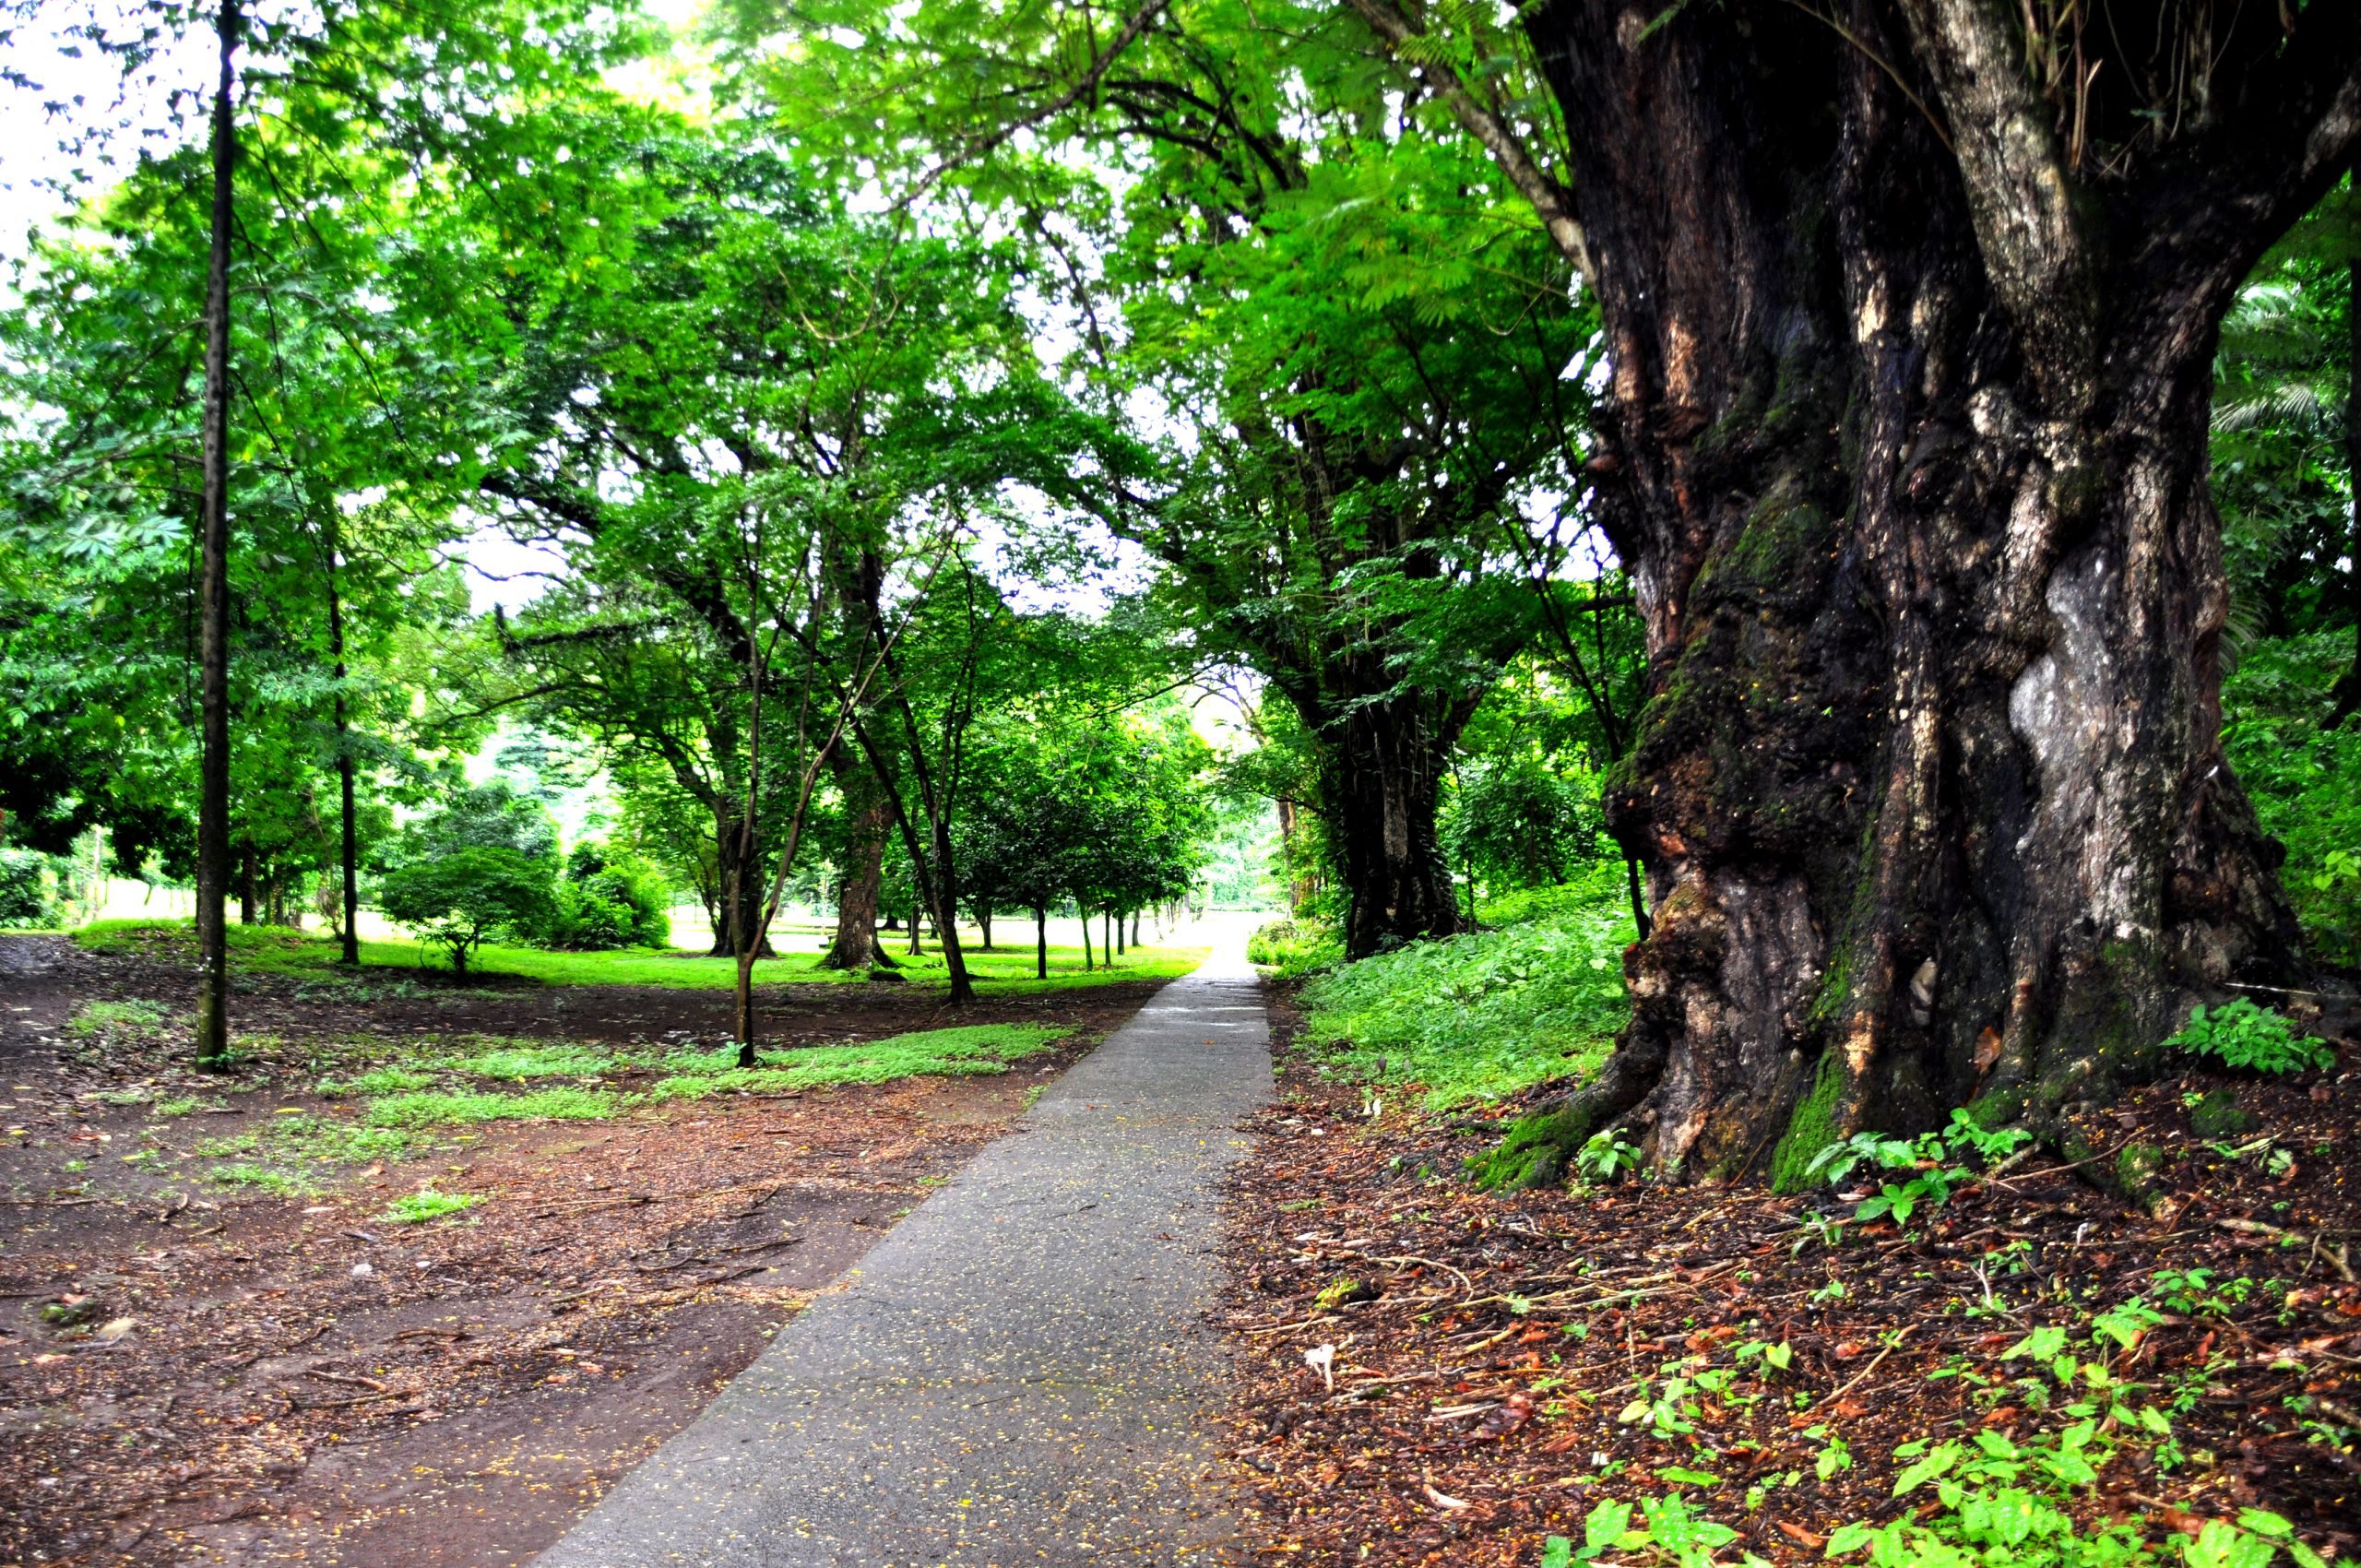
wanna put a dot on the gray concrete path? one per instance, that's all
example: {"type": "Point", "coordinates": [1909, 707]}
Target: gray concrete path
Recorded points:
{"type": "Point", "coordinates": [1019, 1372]}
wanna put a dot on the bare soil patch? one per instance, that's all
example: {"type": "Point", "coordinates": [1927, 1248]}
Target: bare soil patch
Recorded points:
{"type": "Point", "coordinates": [1489, 1348]}
{"type": "Point", "coordinates": [193, 1373]}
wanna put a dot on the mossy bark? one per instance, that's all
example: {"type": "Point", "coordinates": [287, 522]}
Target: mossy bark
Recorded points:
{"type": "Point", "coordinates": [1904, 450]}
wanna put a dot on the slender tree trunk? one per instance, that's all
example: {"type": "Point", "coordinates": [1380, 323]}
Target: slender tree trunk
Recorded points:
{"type": "Point", "coordinates": [348, 827]}
{"type": "Point", "coordinates": [1111, 937]}
{"type": "Point", "coordinates": [1083, 910]}
{"type": "Point", "coordinates": [213, 591]}
{"type": "Point", "coordinates": [916, 929]}
{"type": "Point", "coordinates": [947, 917]}
{"type": "Point", "coordinates": [855, 945]}
{"type": "Point", "coordinates": [984, 925]}
{"type": "Point", "coordinates": [2348, 687]}
{"type": "Point", "coordinates": [1909, 470]}
{"type": "Point", "coordinates": [1040, 942]}
{"type": "Point", "coordinates": [1135, 928]}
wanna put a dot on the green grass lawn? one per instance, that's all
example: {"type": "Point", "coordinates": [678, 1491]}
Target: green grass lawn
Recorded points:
{"type": "Point", "coordinates": [274, 949]}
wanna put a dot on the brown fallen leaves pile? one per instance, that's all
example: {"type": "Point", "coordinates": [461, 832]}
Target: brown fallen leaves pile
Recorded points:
{"type": "Point", "coordinates": [1437, 1375]}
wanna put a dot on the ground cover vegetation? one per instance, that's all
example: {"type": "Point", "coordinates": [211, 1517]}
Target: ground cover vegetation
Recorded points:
{"type": "Point", "coordinates": [1811, 700]}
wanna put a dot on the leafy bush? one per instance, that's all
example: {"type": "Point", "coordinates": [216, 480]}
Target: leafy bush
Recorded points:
{"type": "Point", "coordinates": [609, 901]}
{"type": "Point", "coordinates": [2304, 778]}
{"type": "Point", "coordinates": [2244, 1036]}
{"type": "Point", "coordinates": [1489, 1013]}
{"type": "Point", "coordinates": [1519, 824]}
{"type": "Point", "coordinates": [1293, 949]}
{"type": "Point", "coordinates": [458, 901]}
{"type": "Point", "coordinates": [29, 890]}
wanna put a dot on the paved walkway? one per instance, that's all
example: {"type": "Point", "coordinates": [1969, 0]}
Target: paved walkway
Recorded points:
{"type": "Point", "coordinates": [1018, 1373]}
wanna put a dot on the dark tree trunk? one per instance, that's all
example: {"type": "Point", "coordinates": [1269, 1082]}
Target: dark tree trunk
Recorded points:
{"type": "Point", "coordinates": [1135, 928]}
{"type": "Point", "coordinates": [249, 909]}
{"type": "Point", "coordinates": [2348, 686]}
{"type": "Point", "coordinates": [984, 925]}
{"type": "Point", "coordinates": [1382, 765]}
{"type": "Point", "coordinates": [1083, 910]}
{"type": "Point", "coordinates": [915, 927]}
{"type": "Point", "coordinates": [1040, 943]}
{"type": "Point", "coordinates": [348, 829]}
{"type": "Point", "coordinates": [213, 591]}
{"type": "Point", "coordinates": [871, 818]}
{"type": "Point", "coordinates": [1906, 453]}
{"type": "Point", "coordinates": [1113, 936]}
{"type": "Point", "coordinates": [738, 901]}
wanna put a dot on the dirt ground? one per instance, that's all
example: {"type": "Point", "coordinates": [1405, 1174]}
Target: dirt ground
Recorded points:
{"type": "Point", "coordinates": [1502, 1362]}
{"type": "Point", "coordinates": [193, 1374]}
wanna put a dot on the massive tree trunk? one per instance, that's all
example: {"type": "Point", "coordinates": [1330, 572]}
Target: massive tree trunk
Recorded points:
{"type": "Point", "coordinates": [1906, 451]}
{"type": "Point", "coordinates": [1382, 762]}
{"type": "Point", "coordinates": [870, 817]}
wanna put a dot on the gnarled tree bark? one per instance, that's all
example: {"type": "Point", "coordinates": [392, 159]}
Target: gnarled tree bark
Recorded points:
{"type": "Point", "coordinates": [1905, 452]}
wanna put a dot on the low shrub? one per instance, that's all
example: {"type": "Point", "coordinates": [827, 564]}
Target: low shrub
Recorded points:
{"type": "Point", "coordinates": [1295, 948]}
{"type": "Point", "coordinates": [29, 890]}
{"type": "Point", "coordinates": [2246, 1038]}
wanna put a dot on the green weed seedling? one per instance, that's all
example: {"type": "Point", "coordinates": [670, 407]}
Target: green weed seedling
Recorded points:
{"type": "Point", "coordinates": [420, 1207]}
{"type": "Point", "coordinates": [441, 1109]}
{"type": "Point", "coordinates": [1607, 1157]}
{"type": "Point", "coordinates": [93, 1018]}
{"type": "Point", "coordinates": [2246, 1038]}
{"type": "Point", "coordinates": [378, 1080]}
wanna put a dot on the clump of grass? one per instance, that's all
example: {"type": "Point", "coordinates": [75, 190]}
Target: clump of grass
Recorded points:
{"type": "Point", "coordinates": [336, 1142]}
{"type": "Point", "coordinates": [521, 1060]}
{"type": "Point", "coordinates": [379, 1080]}
{"type": "Point", "coordinates": [93, 1018]}
{"type": "Point", "coordinates": [222, 1148]}
{"type": "Point", "coordinates": [446, 1108]}
{"type": "Point", "coordinates": [420, 1207]}
{"type": "Point", "coordinates": [1489, 1013]}
{"type": "Point", "coordinates": [969, 1049]}
{"type": "Point", "coordinates": [183, 1105]}
{"type": "Point", "coordinates": [262, 1177]}
{"type": "Point", "coordinates": [125, 1097]}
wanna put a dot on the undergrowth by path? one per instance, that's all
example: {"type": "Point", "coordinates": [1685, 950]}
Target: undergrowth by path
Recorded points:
{"type": "Point", "coordinates": [1539, 997]}
{"type": "Point", "coordinates": [1437, 1375]}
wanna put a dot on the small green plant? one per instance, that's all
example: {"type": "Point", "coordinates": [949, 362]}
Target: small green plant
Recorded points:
{"type": "Point", "coordinates": [432, 1108]}
{"type": "Point", "coordinates": [2194, 1292]}
{"type": "Point", "coordinates": [2246, 1038]}
{"type": "Point", "coordinates": [94, 1018]}
{"type": "Point", "coordinates": [420, 1207]}
{"type": "Point", "coordinates": [512, 1062]}
{"type": "Point", "coordinates": [262, 1177]}
{"type": "Point", "coordinates": [180, 1105]}
{"type": "Point", "coordinates": [1607, 1157]}
{"type": "Point", "coordinates": [378, 1080]}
